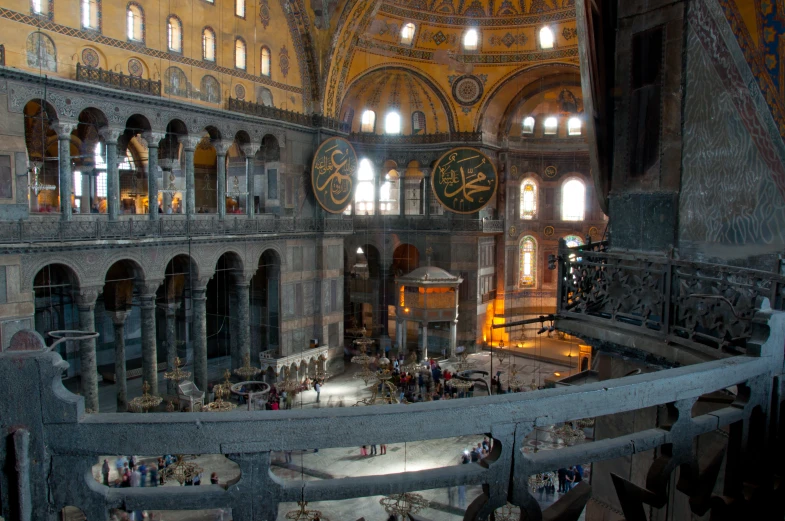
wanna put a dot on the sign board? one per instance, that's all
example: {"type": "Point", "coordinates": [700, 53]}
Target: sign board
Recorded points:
{"type": "Point", "coordinates": [464, 180]}
{"type": "Point", "coordinates": [333, 172]}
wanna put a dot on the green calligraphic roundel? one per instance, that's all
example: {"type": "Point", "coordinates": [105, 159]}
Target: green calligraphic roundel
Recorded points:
{"type": "Point", "coordinates": [333, 173]}
{"type": "Point", "coordinates": [464, 180]}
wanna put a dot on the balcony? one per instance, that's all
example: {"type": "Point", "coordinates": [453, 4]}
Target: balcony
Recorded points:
{"type": "Point", "coordinates": [424, 139]}
{"type": "Point", "coordinates": [269, 360]}
{"type": "Point", "coordinates": [288, 116]}
{"type": "Point", "coordinates": [423, 223]}
{"type": "Point", "coordinates": [117, 80]}
{"type": "Point", "coordinates": [92, 228]}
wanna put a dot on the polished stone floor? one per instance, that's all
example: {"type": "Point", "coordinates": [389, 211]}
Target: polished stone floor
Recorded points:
{"type": "Point", "coordinates": [344, 390]}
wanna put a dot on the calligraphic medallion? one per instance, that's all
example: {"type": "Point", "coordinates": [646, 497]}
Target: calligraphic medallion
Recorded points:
{"type": "Point", "coordinates": [332, 174]}
{"type": "Point", "coordinates": [464, 180]}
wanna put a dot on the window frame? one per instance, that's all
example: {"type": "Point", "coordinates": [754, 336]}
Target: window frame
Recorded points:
{"type": "Point", "coordinates": [240, 39]}
{"type": "Point", "coordinates": [387, 120]}
{"type": "Point", "coordinates": [532, 262]}
{"type": "Point", "coordinates": [94, 9]}
{"type": "Point", "coordinates": [410, 40]}
{"type": "Point", "coordinates": [170, 35]}
{"type": "Point", "coordinates": [476, 47]}
{"type": "Point", "coordinates": [47, 9]}
{"type": "Point", "coordinates": [530, 130]}
{"type": "Point", "coordinates": [539, 38]}
{"type": "Point", "coordinates": [570, 128]}
{"type": "Point", "coordinates": [140, 21]}
{"type": "Point", "coordinates": [237, 4]}
{"type": "Point", "coordinates": [205, 29]}
{"type": "Point", "coordinates": [529, 181]}
{"type": "Point", "coordinates": [418, 114]}
{"type": "Point", "coordinates": [362, 180]}
{"type": "Point", "coordinates": [564, 206]}
{"type": "Point", "coordinates": [372, 124]}
{"type": "Point", "coordinates": [545, 130]}
{"type": "Point", "coordinates": [269, 61]}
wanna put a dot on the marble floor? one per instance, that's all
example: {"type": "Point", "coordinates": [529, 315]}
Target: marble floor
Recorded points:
{"type": "Point", "coordinates": [340, 391]}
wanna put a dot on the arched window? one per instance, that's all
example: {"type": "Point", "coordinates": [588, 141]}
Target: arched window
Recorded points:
{"type": "Point", "coordinates": [388, 194]}
{"type": "Point", "coordinates": [208, 44]}
{"type": "Point", "coordinates": [364, 192]}
{"type": "Point", "coordinates": [39, 7]}
{"type": "Point", "coordinates": [574, 127]}
{"type": "Point", "coordinates": [265, 66]}
{"type": "Point", "coordinates": [470, 40]}
{"type": "Point", "coordinates": [135, 23]}
{"type": "Point", "coordinates": [392, 123]}
{"type": "Point", "coordinates": [239, 8]}
{"type": "Point", "coordinates": [528, 262]}
{"type": "Point", "coordinates": [418, 122]}
{"type": "Point", "coordinates": [239, 53]}
{"type": "Point", "coordinates": [348, 117]}
{"type": "Point", "coordinates": [573, 200]}
{"type": "Point", "coordinates": [368, 122]}
{"type": "Point", "coordinates": [91, 18]}
{"type": "Point", "coordinates": [407, 33]}
{"type": "Point", "coordinates": [264, 96]}
{"type": "Point", "coordinates": [551, 125]}
{"type": "Point", "coordinates": [175, 82]}
{"type": "Point", "coordinates": [174, 34]}
{"type": "Point", "coordinates": [211, 89]}
{"type": "Point", "coordinates": [528, 199]}
{"type": "Point", "coordinates": [528, 125]}
{"type": "Point", "coordinates": [546, 38]}
{"type": "Point", "coordinates": [573, 241]}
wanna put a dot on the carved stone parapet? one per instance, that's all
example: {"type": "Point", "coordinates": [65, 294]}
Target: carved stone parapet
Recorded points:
{"type": "Point", "coordinates": [267, 359]}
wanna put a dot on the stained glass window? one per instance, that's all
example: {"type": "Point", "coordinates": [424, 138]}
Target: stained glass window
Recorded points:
{"type": "Point", "coordinates": [573, 241]}
{"type": "Point", "coordinates": [528, 199]}
{"type": "Point", "coordinates": [573, 200]}
{"type": "Point", "coordinates": [364, 193]}
{"type": "Point", "coordinates": [528, 262]}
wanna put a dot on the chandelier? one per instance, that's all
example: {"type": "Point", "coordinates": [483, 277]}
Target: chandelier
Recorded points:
{"type": "Point", "coordinates": [537, 481]}
{"type": "Point", "coordinates": [303, 514]}
{"type": "Point", "coordinates": [355, 330]}
{"type": "Point", "coordinates": [208, 185]}
{"type": "Point", "coordinates": [135, 190]}
{"type": "Point", "coordinates": [508, 512]}
{"type": "Point", "coordinates": [235, 191]}
{"type": "Point", "coordinates": [585, 423]}
{"type": "Point", "coordinates": [569, 434]}
{"type": "Point", "coordinates": [411, 365]}
{"type": "Point", "coordinates": [247, 371]}
{"type": "Point", "coordinates": [219, 405]}
{"type": "Point", "coordinates": [177, 375]}
{"type": "Point", "coordinates": [170, 187]}
{"type": "Point", "coordinates": [401, 505]}
{"type": "Point", "coordinates": [501, 354]}
{"type": "Point", "coordinates": [145, 402]}
{"type": "Point", "coordinates": [36, 185]}
{"type": "Point", "coordinates": [182, 470]}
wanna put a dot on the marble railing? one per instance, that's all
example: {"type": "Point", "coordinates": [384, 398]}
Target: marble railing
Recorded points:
{"type": "Point", "coordinates": [52, 444]}
{"type": "Point", "coordinates": [97, 227]}
{"type": "Point", "coordinates": [269, 360]}
{"type": "Point", "coordinates": [422, 222]}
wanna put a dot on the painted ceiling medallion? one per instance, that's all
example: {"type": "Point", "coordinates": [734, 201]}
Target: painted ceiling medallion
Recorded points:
{"type": "Point", "coordinates": [467, 89]}
{"type": "Point", "coordinates": [550, 171]}
{"type": "Point", "coordinates": [513, 231]}
{"type": "Point", "coordinates": [548, 231]}
{"type": "Point", "coordinates": [239, 92]}
{"type": "Point", "coordinates": [264, 13]}
{"type": "Point", "coordinates": [90, 57]}
{"type": "Point", "coordinates": [593, 231]}
{"type": "Point", "coordinates": [135, 68]}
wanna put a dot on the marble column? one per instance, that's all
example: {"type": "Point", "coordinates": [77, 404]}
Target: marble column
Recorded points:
{"type": "Point", "coordinates": [85, 302]}
{"type": "Point", "coordinates": [170, 311]}
{"type": "Point", "coordinates": [249, 150]}
{"type": "Point", "coordinates": [234, 334]}
{"type": "Point", "coordinates": [149, 348]}
{"type": "Point", "coordinates": [403, 335]}
{"type": "Point", "coordinates": [453, 337]}
{"type": "Point", "coordinates": [189, 145]}
{"type": "Point", "coordinates": [426, 192]}
{"type": "Point", "coordinates": [121, 384]}
{"type": "Point", "coordinates": [425, 340]}
{"type": "Point", "coordinates": [111, 135]}
{"type": "Point", "coordinates": [243, 321]}
{"type": "Point", "coordinates": [401, 193]}
{"type": "Point", "coordinates": [64, 160]}
{"type": "Point", "coordinates": [153, 139]}
{"type": "Point", "coordinates": [199, 328]}
{"type": "Point", "coordinates": [221, 147]}
{"type": "Point", "coordinates": [85, 206]}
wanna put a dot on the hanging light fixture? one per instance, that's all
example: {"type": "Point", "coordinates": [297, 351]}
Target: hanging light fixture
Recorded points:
{"type": "Point", "coordinates": [401, 505]}
{"type": "Point", "coordinates": [145, 402]}
{"type": "Point", "coordinates": [182, 470]}
{"type": "Point", "coordinates": [36, 185]}
{"type": "Point", "coordinates": [537, 481]}
{"type": "Point", "coordinates": [508, 512]}
{"type": "Point", "coordinates": [177, 375]}
{"type": "Point", "coordinates": [247, 371]}
{"type": "Point", "coordinates": [303, 514]}
{"type": "Point", "coordinates": [235, 191]}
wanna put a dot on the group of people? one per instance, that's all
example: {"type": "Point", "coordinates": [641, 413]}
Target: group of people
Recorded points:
{"type": "Point", "coordinates": [431, 382]}
{"type": "Point", "coordinates": [477, 453]}
{"type": "Point", "coordinates": [569, 477]}
{"type": "Point", "coordinates": [282, 399]}
{"type": "Point", "coordinates": [365, 452]}
{"type": "Point", "coordinates": [132, 472]}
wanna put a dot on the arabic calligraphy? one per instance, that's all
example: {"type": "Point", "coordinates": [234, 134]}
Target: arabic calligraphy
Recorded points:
{"type": "Point", "coordinates": [464, 180]}
{"type": "Point", "coordinates": [332, 174]}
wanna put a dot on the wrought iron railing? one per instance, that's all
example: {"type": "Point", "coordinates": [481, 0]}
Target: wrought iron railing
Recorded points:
{"type": "Point", "coordinates": [421, 222]}
{"type": "Point", "coordinates": [264, 111]}
{"type": "Point", "coordinates": [100, 229]}
{"type": "Point", "coordinates": [2, 55]}
{"type": "Point", "coordinates": [707, 307]}
{"type": "Point", "coordinates": [117, 80]}
{"type": "Point", "coordinates": [493, 225]}
{"type": "Point", "coordinates": [424, 139]}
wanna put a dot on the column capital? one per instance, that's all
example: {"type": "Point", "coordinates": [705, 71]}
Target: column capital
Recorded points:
{"type": "Point", "coordinates": [86, 297]}
{"type": "Point", "coordinates": [63, 129]}
{"type": "Point", "coordinates": [119, 317]}
{"type": "Point", "coordinates": [221, 146]}
{"type": "Point", "coordinates": [152, 138]}
{"type": "Point", "coordinates": [170, 308]}
{"type": "Point", "coordinates": [199, 293]}
{"type": "Point", "coordinates": [190, 142]}
{"type": "Point", "coordinates": [111, 134]}
{"type": "Point", "coordinates": [249, 149]}
{"type": "Point", "coordinates": [148, 288]}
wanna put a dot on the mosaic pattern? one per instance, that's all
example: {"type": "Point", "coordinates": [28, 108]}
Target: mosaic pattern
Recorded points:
{"type": "Point", "coordinates": [239, 91]}
{"type": "Point", "coordinates": [506, 9]}
{"type": "Point", "coordinates": [508, 40]}
{"type": "Point", "coordinates": [283, 61]}
{"type": "Point", "coordinates": [264, 13]}
{"type": "Point", "coordinates": [438, 37]}
{"type": "Point", "coordinates": [569, 33]}
{"type": "Point", "coordinates": [300, 31]}
{"type": "Point", "coordinates": [90, 58]}
{"type": "Point", "coordinates": [41, 52]}
{"type": "Point", "coordinates": [444, 14]}
{"type": "Point", "coordinates": [135, 68]}
{"type": "Point", "coordinates": [93, 36]}
{"type": "Point", "coordinates": [467, 90]}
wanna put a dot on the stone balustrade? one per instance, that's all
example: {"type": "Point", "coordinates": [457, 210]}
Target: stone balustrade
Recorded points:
{"type": "Point", "coordinates": [269, 361]}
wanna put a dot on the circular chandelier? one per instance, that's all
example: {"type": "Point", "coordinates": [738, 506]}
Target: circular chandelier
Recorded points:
{"type": "Point", "coordinates": [219, 405]}
{"type": "Point", "coordinates": [508, 512]}
{"type": "Point", "coordinates": [303, 514]}
{"type": "Point", "coordinates": [247, 371]}
{"type": "Point", "coordinates": [182, 470]}
{"type": "Point", "coordinates": [585, 423]}
{"type": "Point", "coordinates": [177, 375]}
{"type": "Point", "coordinates": [402, 505]}
{"type": "Point", "coordinates": [569, 434]}
{"type": "Point", "coordinates": [147, 401]}
{"type": "Point", "coordinates": [537, 481]}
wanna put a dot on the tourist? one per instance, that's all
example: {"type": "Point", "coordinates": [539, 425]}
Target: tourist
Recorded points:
{"type": "Point", "coordinates": [94, 209]}
{"type": "Point", "coordinates": [461, 496]}
{"type": "Point", "coordinates": [169, 210]}
{"type": "Point", "coordinates": [562, 473]}
{"type": "Point", "coordinates": [318, 389]}
{"type": "Point", "coordinates": [569, 479]}
{"type": "Point", "coordinates": [373, 449]}
{"type": "Point", "coordinates": [383, 448]}
{"type": "Point", "coordinates": [578, 473]}
{"type": "Point", "coordinates": [153, 475]}
{"type": "Point", "coordinates": [214, 478]}
{"type": "Point", "coordinates": [363, 451]}
{"type": "Point", "coordinates": [136, 478]}
{"type": "Point", "coordinates": [105, 472]}
{"type": "Point", "coordinates": [160, 210]}
{"type": "Point", "coordinates": [198, 479]}
{"type": "Point", "coordinates": [143, 472]}
{"type": "Point", "coordinates": [119, 464]}
{"type": "Point", "coordinates": [132, 462]}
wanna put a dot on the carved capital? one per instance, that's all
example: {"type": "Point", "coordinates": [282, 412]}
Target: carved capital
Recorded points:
{"type": "Point", "coordinates": [148, 288]}
{"type": "Point", "coordinates": [221, 146]}
{"type": "Point", "coordinates": [86, 297]}
{"type": "Point", "coordinates": [190, 142]}
{"type": "Point", "coordinates": [63, 129]}
{"type": "Point", "coordinates": [250, 149]}
{"type": "Point", "coordinates": [111, 134]}
{"type": "Point", "coordinates": [152, 138]}
{"type": "Point", "coordinates": [119, 317]}
{"type": "Point", "coordinates": [170, 308]}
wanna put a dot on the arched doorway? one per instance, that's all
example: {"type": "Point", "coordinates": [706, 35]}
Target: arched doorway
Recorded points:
{"type": "Point", "coordinates": [225, 318]}
{"type": "Point", "coordinates": [55, 308]}
{"type": "Point", "coordinates": [265, 305]}
{"type": "Point", "coordinates": [173, 297]}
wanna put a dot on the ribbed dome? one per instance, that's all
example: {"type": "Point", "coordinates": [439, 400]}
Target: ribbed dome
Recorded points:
{"type": "Point", "coordinates": [432, 274]}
